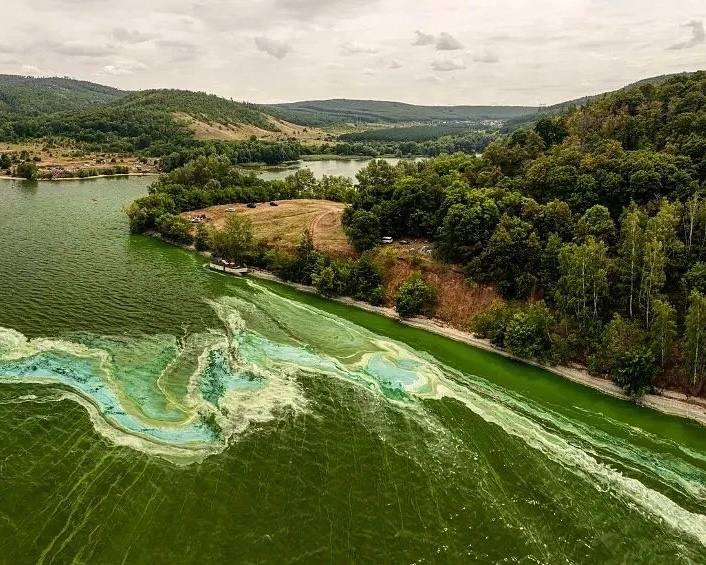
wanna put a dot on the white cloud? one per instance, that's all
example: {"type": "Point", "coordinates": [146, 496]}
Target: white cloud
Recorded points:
{"type": "Point", "coordinates": [486, 57]}
{"type": "Point", "coordinates": [31, 70]}
{"type": "Point", "coordinates": [123, 68]}
{"type": "Point", "coordinates": [421, 38]}
{"type": "Point", "coordinates": [517, 54]}
{"type": "Point", "coordinates": [131, 36]}
{"type": "Point", "coordinates": [355, 48]}
{"type": "Point", "coordinates": [447, 42]}
{"type": "Point", "coordinates": [446, 65]}
{"type": "Point", "coordinates": [273, 47]}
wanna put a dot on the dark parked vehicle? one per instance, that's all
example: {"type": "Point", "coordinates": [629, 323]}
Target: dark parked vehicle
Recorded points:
{"type": "Point", "coordinates": [252, 205]}
{"type": "Point", "coordinates": [274, 204]}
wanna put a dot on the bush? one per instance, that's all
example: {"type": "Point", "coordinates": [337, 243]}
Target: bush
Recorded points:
{"type": "Point", "coordinates": [365, 278]}
{"type": "Point", "coordinates": [619, 337]}
{"type": "Point", "coordinates": [27, 170]}
{"type": "Point", "coordinates": [331, 278]}
{"type": "Point", "coordinates": [202, 239]}
{"type": "Point", "coordinates": [235, 241]}
{"type": "Point", "coordinates": [363, 229]}
{"type": "Point", "coordinates": [415, 297]}
{"type": "Point", "coordinates": [635, 372]}
{"type": "Point", "coordinates": [493, 323]}
{"type": "Point", "coordinates": [174, 228]}
{"type": "Point", "coordinates": [377, 296]}
{"type": "Point", "coordinates": [279, 263]}
{"type": "Point", "coordinates": [528, 333]}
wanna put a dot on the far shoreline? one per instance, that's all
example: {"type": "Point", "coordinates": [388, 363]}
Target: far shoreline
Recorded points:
{"type": "Point", "coordinates": [82, 178]}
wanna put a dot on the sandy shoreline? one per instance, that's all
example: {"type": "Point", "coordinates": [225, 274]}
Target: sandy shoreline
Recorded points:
{"type": "Point", "coordinates": [668, 402]}
{"type": "Point", "coordinates": [86, 178]}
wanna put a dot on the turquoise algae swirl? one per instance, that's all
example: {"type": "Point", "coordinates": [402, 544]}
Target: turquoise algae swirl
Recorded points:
{"type": "Point", "coordinates": [187, 399]}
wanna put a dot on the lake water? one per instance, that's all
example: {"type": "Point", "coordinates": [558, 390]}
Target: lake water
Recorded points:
{"type": "Point", "coordinates": [332, 167]}
{"type": "Point", "coordinates": [154, 412]}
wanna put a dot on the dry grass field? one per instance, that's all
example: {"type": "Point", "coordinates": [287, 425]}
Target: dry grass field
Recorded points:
{"type": "Point", "coordinates": [459, 300]}
{"type": "Point", "coordinates": [70, 157]}
{"type": "Point", "coordinates": [283, 225]}
{"type": "Point", "coordinates": [243, 132]}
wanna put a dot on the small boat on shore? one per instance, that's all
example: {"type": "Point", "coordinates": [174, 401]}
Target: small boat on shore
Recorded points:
{"type": "Point", "coordinates": [223, 266]}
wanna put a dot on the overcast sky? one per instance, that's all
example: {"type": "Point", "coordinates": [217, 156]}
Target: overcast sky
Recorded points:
{"type": "Point", "coordinates": [420, 51]}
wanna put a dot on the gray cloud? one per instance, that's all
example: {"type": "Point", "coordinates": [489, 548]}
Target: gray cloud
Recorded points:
{"type": "Point", "coordinates": [517, 56]}
{"type": "Point", "coordinates": [446, 65]}
{"type": "Point", "coordinates": [486, 57]}
{"type": "Point", "coordinates": [354, 48]}
{"type": "Point", "coordinates": [447, 42]}
{"type": "Point", "coordinates": [698, 36]}
{"type": "Point", "coordinates": [421, 38]}
{"type": "Point", "coordinates": [123, 68]}
{"type": "Point", "coordinates": [273, 47]}
{"type": "Point", "coordinates": [131, 36]}
{"type": "Point", "coordinates": [82, 49]}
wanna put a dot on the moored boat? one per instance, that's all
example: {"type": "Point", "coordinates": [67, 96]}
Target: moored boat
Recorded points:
{"type": "Point", "coordinates": [223, 266]}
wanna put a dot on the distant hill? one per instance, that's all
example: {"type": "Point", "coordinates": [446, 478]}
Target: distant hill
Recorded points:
{"type": "Point", "coordinates": [329, 112]}
{"type": "Point", "coordinates": [203, 107]}
{"type": "Point", "coordinates": [538, 113]}
{"type": "Point", "coordinates": [127, 121]}
{"type": "Point", "coordinates": [29, 96]}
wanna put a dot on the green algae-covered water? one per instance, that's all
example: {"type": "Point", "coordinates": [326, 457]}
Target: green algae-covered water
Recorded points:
{"type": "Point", "coordinates": [154, 412]}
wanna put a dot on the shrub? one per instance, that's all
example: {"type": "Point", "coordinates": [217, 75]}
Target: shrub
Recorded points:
{"type": "Point", "coordinates": [635, 372]}
{"type": "Point", "coordinates": [235, 241]}
{"type": "Point", "coordinates": [326, 281]}
{"type": "Point", "coordinates": [365, 278]}
{"type": "Point", "coordinates": [363, 229]}
{"type": "Point", "coordinates": [528, 333]}
{"type": "Point", "coordinates": [493, 323]}
{"type": "Point", "coordinates": [279, 263]}
{"type": "Point", "coordinates": [174, 228]}
{"type": "Point", "coordinates": [415, 297]}
{"type": "Point", "coordinates": [202, 239]}
{"type": "Point", "coordinates": [376, 296]}
{"type": "Point", "coordinates": [619, 337]}
{"type": "Point", "coordinates": [27, 170]}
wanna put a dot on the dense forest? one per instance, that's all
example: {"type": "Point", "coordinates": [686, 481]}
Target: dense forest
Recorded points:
{"type": "Point", "coordinates": [597, 218]}
{"type": "Point", "coordinates": [138, 122]}
{"type": "Point", "coordinates": [29, 96]}
{"type": "Point", "coordinates": [591, 224]}
{"type": "Point", "coordinates": [329, 112]}
{"type": "Point", "coordinates": [415, 133]}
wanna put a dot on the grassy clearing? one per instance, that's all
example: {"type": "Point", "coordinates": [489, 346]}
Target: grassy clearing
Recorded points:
{"type": "Point", "coordinates": [283, 225]}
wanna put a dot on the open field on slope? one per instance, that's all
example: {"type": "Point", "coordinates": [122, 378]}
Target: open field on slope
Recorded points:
{"type": "Point", "coordinates": [283, 225]}
{"type": "Point", "coordinates": [204, 131]}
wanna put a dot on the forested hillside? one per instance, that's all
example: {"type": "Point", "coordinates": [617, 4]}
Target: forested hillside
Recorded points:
{"type": "Point", "coordinates": [327, 112]}
{"type": "Point", "coordinates": [141, 121]}
{"type": "Point", "coordinates": [28, 96]}
{"type": "Point", "coordinates": [598, 217]}
{"type": "Point", "coordinates": [528, 120]}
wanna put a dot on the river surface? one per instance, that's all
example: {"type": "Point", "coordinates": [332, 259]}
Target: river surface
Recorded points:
{"type": "Point", "coordinates": [332, 167]}
{"type": "Point", "coordinates": [154, 412]}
